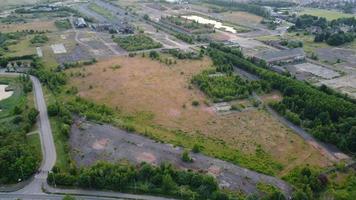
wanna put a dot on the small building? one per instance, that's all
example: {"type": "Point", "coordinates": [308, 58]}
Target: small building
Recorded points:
{"type": "Point", "coordinates": [80, 23]}
{"type": "Point", "coordinates": [282, 57]}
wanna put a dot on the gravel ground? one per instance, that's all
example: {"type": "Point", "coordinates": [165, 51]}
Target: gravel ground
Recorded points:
{"type": "Point", "coordinates": [92, 142]}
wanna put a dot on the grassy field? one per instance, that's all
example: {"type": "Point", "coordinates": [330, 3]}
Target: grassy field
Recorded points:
{"type": "Point", "coordinates": [157, 101]}
{"type": "Point", "coordinates": [309, 45]}
{"type": "Point", "coordinates": [328, 14]}
{"type": "Point", "coordinates": [4, 4]}
{"type": "Point", "coordinates": [35, 25]}
{"type": "Point", "coordinates": [242, 18]}
{"type": "Point", "coordinates": [102, 11]}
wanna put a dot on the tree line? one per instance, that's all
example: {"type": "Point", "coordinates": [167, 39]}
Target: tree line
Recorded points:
{"type": "Point", "coordinates": [147, 179]}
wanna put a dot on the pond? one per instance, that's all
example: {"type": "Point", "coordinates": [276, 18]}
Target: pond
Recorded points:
{"type": "Point", "coordinates": [3, 93]}
{"type": "Point", "coordinates": [216, 24]}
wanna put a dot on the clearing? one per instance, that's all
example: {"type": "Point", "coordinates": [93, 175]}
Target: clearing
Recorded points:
{"type": "Point", "coordinates": [159, 95]}
{"type": "Point", "coordinates": [242, 18]}
{"type": "Point", "coordinates": [328, 14]}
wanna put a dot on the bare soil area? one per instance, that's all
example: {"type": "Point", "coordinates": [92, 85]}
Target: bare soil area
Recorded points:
{"type": "Point", "coordinates": [92, 142]}
{"type": "Point", "coordinates": [139, 85]}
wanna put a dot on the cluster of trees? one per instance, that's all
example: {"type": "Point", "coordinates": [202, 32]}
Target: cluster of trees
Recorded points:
{"type": "Point", "coordinates": [306, 21]}
{"type": "Point", "coordinates": [309, 182]}
{"type": "Point", "coordinates": [224, 87]}
{"type": "Point", "coordinates": [39, 39]}
{"type": "Point", "coordinates": [251, 8]}
{"type": "Point", "coordinates": [185, 37]}
{"type": "Point", "coordinates": [53, 80]}
{"type": "Point", "coordinates": [329, 31]}
{"type": "Point", "coordinates": [19, 159]}
{"type": "Point", "coordinates": [137, 42]}
{"type": "Point", "coordinates": [292, 43]}
{"type": "Point", "coordinates": [329, 117]}
{"type": "Point", "coordinates": [144, 178]}
{"type": "Point", "coordinates": [63, 24]}
{"type": "Point", "coordinates": [69, 65]}
{"type": "Point", "coordinates": [184, 55]}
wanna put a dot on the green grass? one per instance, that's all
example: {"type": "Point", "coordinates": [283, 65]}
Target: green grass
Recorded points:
{"type": "Point", "coordinates": [328, 14]}
{"type": "Point", "coordinates": [102, 11]}
{"type": "Point", "coordinates": [17, 98]}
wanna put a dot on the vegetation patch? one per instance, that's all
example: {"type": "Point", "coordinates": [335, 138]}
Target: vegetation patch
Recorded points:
{"type": "Point", "coordinates": [19, 154]}
{"type": "Point", "coordinates": [327, 115]}
{"type": "Point", "coordinates": [137, 42]}
{"type": "Point", "coordinates": [102, 11]}
{"type": "Point", "coordinates": [63, 24]}
{"type": "Point", "coordinates": [39, 39]}
{"type": "Point", "coordinates": [144, 178]}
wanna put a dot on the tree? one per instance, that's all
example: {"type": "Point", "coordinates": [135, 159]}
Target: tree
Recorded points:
{"type": "Point", "coordinates": [154, 55]}
{"type": "Point", "coordinates": [32, 115]}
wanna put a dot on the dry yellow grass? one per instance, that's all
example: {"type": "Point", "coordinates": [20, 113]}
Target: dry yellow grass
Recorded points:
{"type": "Point", "coordinates": [142, 85]}
{"type": "Point", "coordinates": [243, 18]}
{"type": "Point", "coordinates": [35, 25]}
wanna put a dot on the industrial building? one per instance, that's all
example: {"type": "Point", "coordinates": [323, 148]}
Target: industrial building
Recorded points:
{"type": "Point", "coordinates": [282, 57]}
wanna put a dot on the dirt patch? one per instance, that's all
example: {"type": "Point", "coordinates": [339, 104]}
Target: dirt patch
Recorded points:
{"type": "Point", "coordinates": [136, 149]}
{"type": "Point", "coordinates": [146, 157]}
{"type": "Point", "coordinates": [100, 144]}
{"type": "Point", "coordinates": [140, 86]}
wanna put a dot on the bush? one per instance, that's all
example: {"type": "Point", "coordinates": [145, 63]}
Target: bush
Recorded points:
{"type": "Point", "coordinates": [154, 55]}
{"type": "Point", "coordinates": [196, 148]}
{"type": "Point", "coordinates": [195, 103]}
{"type": "Point", "coordinates": [39, 39]}
{"type": "Point", "coordinates": [137, 42]}
{"type": "Point", "coordinates": [186, 157]}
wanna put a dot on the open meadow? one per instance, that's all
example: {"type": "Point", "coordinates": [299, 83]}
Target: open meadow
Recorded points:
{"type": "Point", "coordinates": [328, 14]}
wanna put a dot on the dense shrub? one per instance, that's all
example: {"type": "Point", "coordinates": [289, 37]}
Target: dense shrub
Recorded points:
{"type": "Point", "coordinates": [137, 42]}
{"type": "Point", "coordinates": [144, 178]}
